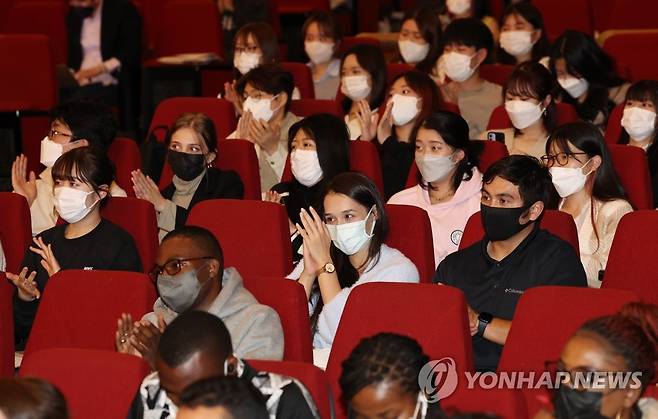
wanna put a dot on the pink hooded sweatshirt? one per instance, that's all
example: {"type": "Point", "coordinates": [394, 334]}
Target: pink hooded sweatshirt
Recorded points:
{"type": "Point", "coordinates": [448, 219]}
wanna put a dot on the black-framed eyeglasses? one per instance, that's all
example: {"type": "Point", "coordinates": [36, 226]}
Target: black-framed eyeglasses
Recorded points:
{"type": "Point", "coordinates": [53, 133]}
{"type": "Point", "coordinates": [172, 267]}
{"type": "Point", "coordinates": [560, 158]}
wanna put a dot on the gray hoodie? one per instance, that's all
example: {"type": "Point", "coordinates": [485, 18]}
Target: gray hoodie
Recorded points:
{"type": "Point", "coordinates": [255, 328]}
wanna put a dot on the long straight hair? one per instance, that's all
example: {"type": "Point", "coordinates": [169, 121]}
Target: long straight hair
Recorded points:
{"type": "Point", "coordinates": [533, 16]}
{"type": "Point", "coordinates": [430, 29]}
{"type": "Point", "coordinates": [371, 59]}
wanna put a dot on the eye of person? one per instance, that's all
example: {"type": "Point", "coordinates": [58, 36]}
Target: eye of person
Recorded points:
{"type": "Point", "coordinates": [329, 219]}
{"type": "Point", "coordinates": [195, 148]}
{"type": "Point", "coordinates": [418, 147]}
{"type": "Point", "coordinates": [436, 147]}
{"type": "Point", "coordinates": [406, 91]}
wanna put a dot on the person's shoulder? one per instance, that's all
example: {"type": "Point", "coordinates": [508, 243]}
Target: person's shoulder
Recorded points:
{"type": "Point", "coordinates": [407, 196]}
{"type": "Point", "coordinates": [115, 231]}
{"type": "Point", "coordinates": [393, 259]}
{"type": "Point", "coordinates": [53, 232]}
{"type": "Point", "coordinates": [549, 245]}
{"type": "Point", "coordinates": [492, 87]}
{"type": "Point", "coordinates": [224, 176]}
{"type": "Point", "coordinates": [615, 206]}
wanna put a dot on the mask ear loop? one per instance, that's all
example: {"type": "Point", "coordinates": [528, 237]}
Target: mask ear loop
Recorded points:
{"type": "Point", "coordinates": [586, 163]}
{"type": "Point", "coordinates": [421, 407]}
{"type": "Point", "coordinates": [374, 223]}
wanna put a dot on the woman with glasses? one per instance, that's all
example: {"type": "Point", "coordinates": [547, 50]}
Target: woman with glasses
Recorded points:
{"type": "Point", "coordinates": [82, 177]}
{"type": "Point", "coordinates": [583, 176]}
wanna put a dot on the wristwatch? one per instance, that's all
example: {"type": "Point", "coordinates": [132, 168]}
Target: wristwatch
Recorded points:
{"type": "Point", "coordinates": [483, 321]}
{"type": "Point", "coordinates": [328, 268]}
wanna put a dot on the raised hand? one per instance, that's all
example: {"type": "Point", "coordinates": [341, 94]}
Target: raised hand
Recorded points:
{"type": "Point", "coordinates": [385, 126]}
{"type": "Point", "coordinates": [27, 287]}
{"type": "Point", "coordinates": [22, 184]}
{"type": "Point", "coordinates": [367, 120]}
{"type": "Point", "coordinates": [265, 134]}
{"type": "Point", "coordinates": [243, 126]}
{"type": "Point", "coordinates": [146, 189]}
{"type": "Point", "coordinates": [123, 334]}
{"type": "Point", "coordinates": [145, 338]}
{"type": "Point", "coordinates": [48, 260]}
{"type": "Point", "coordinates": [231, 94]}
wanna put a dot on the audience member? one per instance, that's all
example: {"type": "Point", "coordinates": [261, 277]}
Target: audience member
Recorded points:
{"type": "Point", "coordinates": [31, 398]}
{"type": "Point", "coordinates": [419, 42]}
{"type": "Point", "coordinates": [478, 9]}
{"type": "Point", "coordinates": [321, 41]}
{"type": "Point", "coordinates": [222, 398]}
{"type": "Point", "coordinates": [523, 35]}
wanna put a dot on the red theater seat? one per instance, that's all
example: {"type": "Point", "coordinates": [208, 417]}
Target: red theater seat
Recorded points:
{"type": "Point", "coordinates": [410, 232]}
{"type": "Point", "coordinates": [632, 166]}
{"type": "Point", "coordinates": [306, 107]}
{"type": "Point", "coordinates": [6, 327]}
{"type": "Point", "coordinates": [630, 48]}
{"type": "Point", "coordinates": [125, 155]}
{"type": "Point", "coordinates": [303, 79]}
{"type": "Point", "coordinates": [16, 230]}
{"type": "Point", "coordinates": [614, 129]}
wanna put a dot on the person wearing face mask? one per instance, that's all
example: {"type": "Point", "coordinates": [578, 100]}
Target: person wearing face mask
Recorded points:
{"type": "Point", "coordinates": [531, 109]}
{"type": "Point", "coordinates": [319, 151]}
{"type": "Point", "coordinates": [623, 342]}
{"type": "Point", "coordinates": [639, 125]}
{"type": "Point", "coordinates": [81, 182]}
{"type": "Point", "coordinates": [467, 45]}
{"type": "Point", "coordinates": [583, 175]}
{"type": "Point", "coordinates": [345, 250]}
{"type": "Point", "coordinates": [321, 41]}
{"type": "Point", "coordinates": [523, 36]}
{"type": "Point", "coordinates": [363, 84]}
{"type": "Point", "coordinates": [514, 255]}
{"type": "Point", "coordinates": [477, 9]}
{"type": "Point", "coordinates": [72, 125]}
{"type": "Point", "coordinates": [191, 150]}
{"type": "Point", "coordinates": [587, 77]}
{"type": "Point", "coordinates": [266, 92]}
{"type": "Point", "coordinates": [194, 352]}
{"type": "Point", "coordinates": [419, 42]}
{"type": "Point", "coordinates": [449, 182]}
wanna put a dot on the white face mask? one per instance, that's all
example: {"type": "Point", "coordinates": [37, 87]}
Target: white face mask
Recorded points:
{"type": "Point", "coordinates": [434, 168]}
{"type": "Point", "coordinates": [319, 52]}
{"type": "Point", "coordinates": [405, 109]}
{"type": "Point", "coordinates": [457, 7]}
{"type": "Point", "coordinates": [71, 204]}
{"type": "Point", "coordinates": [516, 43]}
{"type": "Point", "coordinates": [355, 87]}
{"type": "Point", "coordinates": [261, 109]}
{"type": "Point", "coordinates": [306, 167]}
{"type": "Point", "coordinates": [349, 238]}
{"type": "Point", "coordinates": [523, 113]}
{"type": "Point", "coordinates": [458, 66]}
{"type": "Point", "coordinates": [568, 180]}
{"type": "Point", "coordinates": [413, 52]}
{"type": "Point", "coordinates": [246, 61]}
{"type": "Point", "coordinates": [639, 123]}
{"type": "Point", "coordinates": [575, 87]}
{"type": "Point", "coordinates": [50, 152]}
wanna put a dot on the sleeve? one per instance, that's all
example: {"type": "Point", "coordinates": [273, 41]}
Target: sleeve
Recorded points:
{"type": "Point", "coordinates": [130, 39]}
{"type": "Point", "coordinates": [293, 404]}
{"type": "Point", "coordinates": [167, 217]}
{"type": "Point", "coordinates": [128, 258]}
{"type": "Point", "coordinates": [136, 407]}
{"type": "Point", "coordinates": [442, 273]}
{"type": "Point", "coordinates": [563, 267]}
{"type": "Point", "coordinates": [263, 338]}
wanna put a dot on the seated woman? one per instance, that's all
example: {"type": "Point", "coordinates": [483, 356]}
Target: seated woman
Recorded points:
{"type": "Point", "coordinates": [82, 178]}
{"type": "Point", "coordinates": [345, 250]}
{"type": "Point", "coordinates": [191, 150]}
{"type": "Point", "coordinates": [626, 342]}
{"type": "Point", "coordinates": [318, 147]}
{"type": "Point", "coordinates": [523, 35]}
{"type": "Point", "coordinates": [583, 176]}
{"type": "Point", "coordinates": [530, 106]}
{"type": "Point", "coordinates": [587, 77]}
{"type": "Point", "coordinates": [419, 42]}
{"type": "Point", "coordinates": [363, 82]}
{"type": "Point", "coordinates": [449, 183]}
{"type": "Point", "coordinates": [413, 96]}
{"type": "Point", "coordinates": [321, 41]}
{"type": "Point", "coordinates": [639, 125]}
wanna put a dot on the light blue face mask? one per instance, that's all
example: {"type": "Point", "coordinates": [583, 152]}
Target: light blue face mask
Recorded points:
{"type": "Point", "coordinates": [179, 292]}
{"type": "Point", "coordinates": [349, 238]}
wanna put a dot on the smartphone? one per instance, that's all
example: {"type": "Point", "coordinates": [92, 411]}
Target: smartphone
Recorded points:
{"type": "Point", "coordinates": [496, 136]}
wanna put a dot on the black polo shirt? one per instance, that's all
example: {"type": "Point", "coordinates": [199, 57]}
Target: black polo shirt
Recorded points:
{"type": "Point", "coordinates": [496, 286]}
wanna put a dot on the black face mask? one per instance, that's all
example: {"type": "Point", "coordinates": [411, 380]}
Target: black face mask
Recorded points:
{"type": "Point", "coordinates": [185, 165]}
{"type": "Point", "coordinates": [573, 404]}
{"type": "Point", "coordinates": [501, 223]}
{"type": "Point", "coordinates": [84, 12]}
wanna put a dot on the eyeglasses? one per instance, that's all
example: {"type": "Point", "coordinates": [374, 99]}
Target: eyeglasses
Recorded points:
{"type": "Point", "coordinates": [560, 158]}
{"type": "Point", "coordinates": [54, 133]}
{"type": "Point", "coordinates": [172, 267]}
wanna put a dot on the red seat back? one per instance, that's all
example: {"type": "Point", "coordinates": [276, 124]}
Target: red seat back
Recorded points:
{"type": "Point", "coordinates": [306, 107]}
{"type": "Point", "coordinates": [631, 50]}
{"type": "Point", "coordinates": [313, 378]}
{"type": "Point", "coordinates": [350, 41]}
{"type": "Point", "coordinates": [125, 155]}
{"type": "Point", "coordinates": [259, 244]}
{"type": "Point", "coordinates": [500, 120]}
{"type": "Point", "coordinates": [96, 384]}
{"type": "Point", "coordinates": [137, 217]}
{"type": "Point", "coordinates": [409, 309]}
{"type": "Point", "coordinates": [496, 73]}
{"type": "Point", "coordinates": [632, 166]}
{"type": "Point", "coordinates": [528, 347]}
{"type": "Point", "coordinates": [296, 7]}
{"type": "Point", "coordinates": [501, 402]}
{"type": "Point", "coordinates": [288, 299]}
{"type": "Point", "coordinates": [632, 267]}
{"type": "Point", "coordinates": [410, 232]}
{"type": "Point", "coordinates": [41, 17]}
{"type": "Point", "coordinates": [558, 223]}
{"type": "Point", "coordinates": [364, 158]}
{"type": "Point", "coordinates": [303, 79]}
{"type": "Point", "coordinates": [614, 128]}
{"type": "Point", "coordinates": [557, 21]}
{"type": "Point", "coordinates": [6, 327]}
{"type": "Point", "coordinates": [79, 309]}
{"type": "Point", "coordinates": [395, 69]}
{"type": "Point", "coordinates": [16, 231]}
{"type": "Point", "coordinates": [632, 14]}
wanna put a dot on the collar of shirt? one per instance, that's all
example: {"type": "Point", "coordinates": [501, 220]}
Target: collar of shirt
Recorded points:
{"type": "Point", "coordinates": [333, 70]}
{"type": "Point", "coordinates": [516, 253]}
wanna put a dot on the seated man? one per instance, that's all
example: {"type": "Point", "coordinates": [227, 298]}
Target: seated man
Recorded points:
{"type": "Point", "coordinates": [190, 275]}
{"type": "Point", "coordinates": [197, 346]}
{"type": "Point", "coordinates": [514, 255]}
{"type": "Point", "coordinates": [222, 398]}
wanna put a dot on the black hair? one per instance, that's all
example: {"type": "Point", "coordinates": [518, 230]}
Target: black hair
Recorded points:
{"type": "Point", "coordinates": [86, 164]}
{"type": "Point", "coordinates": [480, 8]}
{"type": "Point", "coordinates": [371, 59]}
{"type": "Point", "coordinates": [326, 24]}
{"type": "Point", "coordinates": [269, 78]}
{"type": "Point", "coordinates": [385, 357]}
{"type": "Point", "coordinates": [454, 131]}
{"type": "Point", "coordinates": [89, 120]}
{"type": "Point", "coordinates": [266, 39]}
{"type": "Point", "coordinates": [31, 398]}
{"type": "Point", "coordinates": [430, 28]}
{"type": "Point", "coordinates": [533, 16]}
{"type": "Point", "coordinates": [533, 80]}
{"type": "Point", "coordinates": [584, 58]}
{"type": "Point", "coordinates": [423, 85]}
{"type": "Point", "coordinates": [193, 332]}
{"type": "Point", "coordinates": [532, 178]}
{"type": "Point", "coordinates": [239, 397]}
{"type": "Point", "coordinates": [470, 32]}
{"type": "Point", "coordinates": [203, 239]}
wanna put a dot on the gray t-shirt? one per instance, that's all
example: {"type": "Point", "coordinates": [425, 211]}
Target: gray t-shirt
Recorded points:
{"type": "Point", "coordinates": [476, 106]}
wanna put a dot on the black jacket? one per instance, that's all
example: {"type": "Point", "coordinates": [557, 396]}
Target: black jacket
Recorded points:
{"type": "Point", "coordinates": [216, 184]}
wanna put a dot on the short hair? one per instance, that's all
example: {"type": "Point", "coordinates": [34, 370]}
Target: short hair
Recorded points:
{"type": "Point", "coordinates": [87, 120]}
{"type": "Point", "coordinates": [31, 398]}
{"type": "Point", "coordinates": [201, 124]}
{"type": "Point", "coordinates": [239, 397]}
{"type": "Point", "coordinates": [203, 238]}
{"type": "Point", "coordinates": [193, 332]}
{"type": "Point", "coordinates": [371, 59]}
{"type": "Point", "coordinates": [268, 78]}
{"type": "Point", "coordinates": [526, 172]}
{"type": "Point", "coordinates": [87, 164]}
{"type": "Point", "coordinates": [470, 32]}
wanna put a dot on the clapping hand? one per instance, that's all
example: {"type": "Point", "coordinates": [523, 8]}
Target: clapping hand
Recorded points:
{"type": "Point", "coordinates": [146, 189]}
{"type": "Point", "coordinates": [367, 120]}
{"type": "Point", "coordinates": [385, 127]}
{"type": "Point", "coordinates": [27, 287]}
{"type": "Point", "coordinates": [22, 183]}
{"type": "Point", "coordinates": [48, 260]}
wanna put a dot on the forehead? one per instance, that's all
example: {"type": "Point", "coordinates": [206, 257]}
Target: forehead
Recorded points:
{"type": "Point", "coordinates": [335, 203]}
{"type": "Point", "coordinates": [204, 412]}
{"type": "Point", "coordinates": [500, 186]}
{"type": "Point", "coordinates": [410, 25]}
{"type": "Point", "coordinates": [351, 61]}
{"type": "Point", "coordinates": [400, 83]}
{"type": "Point", "coordinates": [556, 147]}
{"type": "Point", "coordinates": [186, 135]}
{"type": "Point", "coordinates": [588, 350]}
{"type": "Point", "coordinates": [178, 248]}
{"type": "Point", "coordinates": [515, 18]}
{"type": "Point", "coordinates": [376, 399]}
{"type": "Point", "coordinates": [426, 134]}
